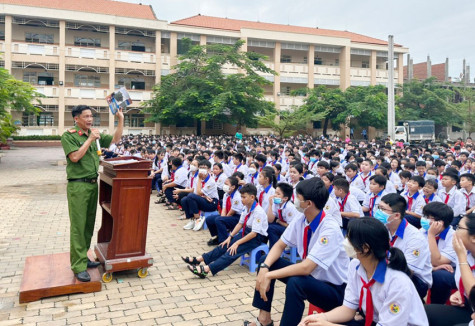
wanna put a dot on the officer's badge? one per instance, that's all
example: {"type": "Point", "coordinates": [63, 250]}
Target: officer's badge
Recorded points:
{"type": "Point", "coordinates": [394, 308]}
{"type": "Point", "coordinates": [72, 131]}
{"type": "Point", "coordinates": [324, 241]}
{"type": "Point", "coordinates": [416, 252]}
{"type": "Point", "coordinates": [80, 132]}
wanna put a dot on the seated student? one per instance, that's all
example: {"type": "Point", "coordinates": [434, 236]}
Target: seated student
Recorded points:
{"type": "Point", "coordinates": [440, 166]}
{"type": "Point", "coordinates": [252, 174]}
{"type": "Point", "coordinates": [295, 176]}
{"type": "Point", "coordinates": [415, 200]}
{"type": "Point", "coordinates": [390, 188]}
{"type": "Point", "coordinates": [219, 178]}
{"type": "Point", "coordinates": [459, 311]}
{"type": "Point", "coordinates": [261, 160]}
{"type": "Point", "coordinates": [355, 180]}
{"type": "Point", "coordinates": [322, 168]}
{"type": "Point", "coordinates": [467, 167]}
{"type": "Point", "coordinates": [430, 191]}
{"type": "Point", "coordinates": [366, 173]}
{"type": "Point", "coordinates": [457, 165]}
{"type": "Point", "coordinates": [451, 196]}
{"type": "Point", "coordinates": [248, 234]}
{"type": "Point", "coordinates": [321, 276]}
{"type": "Point", "coordinates": [278, 173]}
{"type": "Point", "coordinates": [406, 237]}
{"type": "Point", "coordinates": [421, 169]}
{"type": "Point", "coordinates": [157, 169]}
{"type": "Point", "coordinates": [335, 167]}
{"type": "Point", "coordinates": [436, 227]}
{"type": "Point", "coordinates": [393, 175]}
{"type": "Point", "coordinates": [239, 166]}
{"type": "Point", "coordinates": [379, 284]}
{"type": "Point", "coordinates": [405, 177]}
{"type": "Point", "coordinates": [467, 180]}
{"type": "Point", "coordinates": [178, 180]}
{"type": "Point", "coordinates": [240, 177]}
{"type": "Point", "coordinates": [219, 225]}
{"type": "Point", "coordinates": [204, 198]}
{"type": "Point", "coordinates": [314, 158]}
{"type": "Point", "coordinates": [377, 184]}
{"type": "Point", "coordinates": [179, 194]}
{"type": "Point", "coordinates": [410, 167]}
{"type": "Point", "coordinates": [431, 174]}
{"type": "Point", "coordinates": [350, 208]}
{"type": "Point", "coordinates": [281, 211]}
{"type": "Point", "coordinates": [327, 179]}
{"type": "Point", "coordinates": [306, 173]}
{"type": "Point", "coordinates": [266, 188]}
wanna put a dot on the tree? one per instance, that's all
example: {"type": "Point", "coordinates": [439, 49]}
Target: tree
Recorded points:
{"type": "Point", "coordinates": [14, 95]}
{"type": "Point", "coordinates": [368, 104]}
{"type": "Point", "coordinates": [199, 89]}
{"type": "Point", "coordinates": [428, 100]}
{"type": "Point", "coordinates": [465, 107]}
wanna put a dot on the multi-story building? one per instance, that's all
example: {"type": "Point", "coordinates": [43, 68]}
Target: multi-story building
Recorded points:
{"type": "Point", "coordinates": [77, 52]}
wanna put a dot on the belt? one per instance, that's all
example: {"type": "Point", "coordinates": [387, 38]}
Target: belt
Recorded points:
{"type": "Point", "coordinates": [83, 180]}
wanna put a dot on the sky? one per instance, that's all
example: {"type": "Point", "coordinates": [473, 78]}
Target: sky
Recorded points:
{"type": "Point", "coordinates": [439, 28]}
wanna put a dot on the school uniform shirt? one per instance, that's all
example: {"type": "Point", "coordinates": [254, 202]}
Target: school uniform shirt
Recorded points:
{"type": "Point", "coordinates": [208, 187]}
{"type": "Point", "coordinates": [357, 182]}
{"type": "Point", "coordinates": [390, 188]}
{"type": "Point", "coordinates": [252, 179]}
{"type": "Point", "coordinates": [158, 164]}
{"type": "Point", "coordinates": [395, 179]}
{"type": "Point", "coordinates": [332, 210]}
{"type": "Point", "coordinates": [416, 250]}
{"type": "Point", "coordinates": [257, 221]}
{"type": "Point", "coordinates": [371, 201]}
{"type": "Point", "coordinates": [457, 276]}
{"type": "Point", "coordinates": [219, 179]}
{"type": "Point", "coordinates": [358, 193]}
{"type": "Point", "coordinates": [469, 198]}
{"type": "Point", "coordinates": [415, 203]}
{"type": "Point", "coordinates": [236, 203]}
{"type": "Point", "coordinates": [350, 204]}
{"type": "Point", "coordinates": [263, 195]}
{"type": "Point", "coordinates": [444, 243]}
{"type": "Point", "coordinates": [227, 169]}
{"type": "Point", "coordinates": [432, 198]}
{"type": "Point", "coordinates": [331, 192]}
{"type": "Point", "coordinates": [366, 180]}
{"type": "Point", "coordinates": [394, 296]}
{"type": "Point", "coordinates": [324, 247]}
{"type": "Point", "coordinates": [181, 176]}
{"type": "Point", "coordinates": [287, 211]}
{"type": "Point", "coordinates": [240, 168]}
{"type": "Point", "coordinates": [192, 179]}
{"type": "Point", "coordinates": [312, 166]}
{"type": "Point", "coordinates": [455, 199]}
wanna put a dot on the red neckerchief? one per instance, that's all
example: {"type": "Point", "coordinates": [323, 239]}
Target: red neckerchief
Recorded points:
{"type": "Point", "coordinates": [308, 231]}
{"type": "Point", "coordinates": [261, 196]}
{"type": "Point", "coordinates": [369, 301]}
{"type": "Point", "coordinates": [343, 203]}
{"type": "Point", "coordinates": [279, 212]}
{"type": "Point", "coordinates": [254, 205]}
{"type": "Point", "coordinates": [393, 240]}
{"type": "Point", "coordinates": [228, 203]}
{"type": "Point", "coordinates": [467, 207]}
{"type": "Point", "coordinates": [217, 177]}
{"type": "Point", "coordinates": [365, 178]}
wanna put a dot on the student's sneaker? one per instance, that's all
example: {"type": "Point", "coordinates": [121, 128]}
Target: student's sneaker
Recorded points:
{"type": "Point", "coordinates": [199, 223]}
{"type": "Point", "coordinates": [190, 225]}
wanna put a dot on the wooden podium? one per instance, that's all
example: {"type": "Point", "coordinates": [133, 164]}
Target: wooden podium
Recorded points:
{"type": "Point", "coordinates": [124, 195]}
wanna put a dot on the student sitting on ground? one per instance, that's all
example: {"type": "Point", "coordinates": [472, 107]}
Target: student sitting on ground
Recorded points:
{"type": "Point", "coordinates": [249, 233]}
{"type": "Point", "coordinates": [178, 180]}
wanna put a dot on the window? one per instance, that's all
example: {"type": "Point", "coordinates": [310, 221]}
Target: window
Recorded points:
{"type": "Point", "coordinates": [456, 129]}
{"type": "Point", "coordinates": [45, 119]}
{"type": "Point", "coordinates": [96, 122]}
{"type": "Point", "coordinates": [185, 122]}
{"type": "Point", "coordinates": [39, 38]}
{"type": "Point", "coordinates": [337, 62]}
{"type": "Point", "coordinates": [30, 77]}
{"type": "Point", "coordinates": [285, 58]}
{"type": "Point", "coordinates": [317, 125]}
{"type": "Point", "coordinates": [305, 60]}
{"type": "Point", "coordinates": [214, 125]}
{"type": "Point", "coordinates": [86, 41]}
{"type": "Point", "coordinates": [2, 35]}
{"type": "Point", "coordinates": [29, 120]}
{"type": "Point", "coordinates": [132, 46]}
{"type": "Point", "coordinates": [318, 61]}
{"type": "Point", "coordinates": [365, 64]}
{"type": "Point", "coordinates": [86, 80]}
{"type": "Point", "coordinates": [285, 90]}
{"type": "Point", "coordinates": [137, 120]}
{"type": "Point", "coordinates": [132, 83]}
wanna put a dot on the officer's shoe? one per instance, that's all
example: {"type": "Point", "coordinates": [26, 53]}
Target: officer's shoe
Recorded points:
{"type": "Point", "coordinates": [92, 264]}
{"type": "Point", "coordinates": [213, 241]}
{"type": "Point", "coordinates": [83, 276]}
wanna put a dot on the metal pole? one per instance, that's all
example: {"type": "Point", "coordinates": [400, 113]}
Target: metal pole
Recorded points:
{"type": "Point", "coordinates": [391, 113]}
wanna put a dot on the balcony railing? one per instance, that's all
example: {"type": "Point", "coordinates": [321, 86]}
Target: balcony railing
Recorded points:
{"type": "Point", "coordinates": [129, 56]}
{"type": "Point", "coordinates": [87, 53]}
{"type": "Point", "coordinates": [48, 91]}
{"type": "Point", "coordinates": [35, 49]}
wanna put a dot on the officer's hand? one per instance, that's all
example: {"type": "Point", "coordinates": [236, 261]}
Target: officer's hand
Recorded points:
{"type": "Point", "coordinates": [95, 134]}
{"type": "Point", "coordinates": [120, 114]}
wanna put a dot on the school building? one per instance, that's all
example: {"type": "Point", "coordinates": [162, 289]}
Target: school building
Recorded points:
{"type": "Point", "coordinates": [78, 51]}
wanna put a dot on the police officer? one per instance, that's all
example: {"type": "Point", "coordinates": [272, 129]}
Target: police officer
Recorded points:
{"type": "Point", "coordinates": [79, 145]}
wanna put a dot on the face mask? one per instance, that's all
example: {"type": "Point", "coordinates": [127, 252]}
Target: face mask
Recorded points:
{"type": "Point", "coordinates": [193, 168]}
{"type": "Point", "coordinates": [252, 170]}
{"type": "Point", "coordinates": [374, 162]}
{"type": "Point", "coordinates": [350, 251]}
{"type": "Point", "coordinates": [269, 159]}
{"type": "Point", "coordinates": [430, 177]}
{"type": "Point", "coordinates": [402, 166]}
{"type": "Point", "coordinates": [313, 159]}
{"type": "Point", "coordinates": [449, 162]}
{"type": "Point", "coordinates": [203, 171]}
{"type": "Point", "coordinates": [436, 157]}
{"type": "Point", "coordinates": [226, 188]}
{"type": "Point", "coordinates": [277, 200]}
{"type": "Point", "coordinates": [381, 216]}
{"type": "Point", "coordinates": [425, 223]}
{"type": "Point", "coordinates": [297, 206]}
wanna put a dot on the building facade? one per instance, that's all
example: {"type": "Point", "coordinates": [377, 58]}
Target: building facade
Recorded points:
{"type": "Point", "coordinates": [77, 52]}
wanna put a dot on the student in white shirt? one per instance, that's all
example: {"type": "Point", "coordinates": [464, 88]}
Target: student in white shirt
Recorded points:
{"type": "Point", "coordinates": [460, 311]}
{"type": "Point", "coordinates": [378, 286]}
{"type": "Point", "coordinates": [413, 244]}
{"type": "Point", "coordinates": [451, 196]}
{"type": "Point", "coordinates": [390, 188]}
{"type": "Point", "coordinates": [219, 178]}
{"type": "Point", "coordinates": [366, 173]}
{"type": "Point", "coordinates": [239, 166]}
{"type": "Point", "coordinates": [252, 174]}
{"type": "Point", "coordinates": [415, 200]}
{"type": "Point", "coordinates": [351, 171]}
{"type": "Point", "coordinates": [377, 183]}
{"type": "Point", "coordinates": [248, 234]}
{"type": "Point", "coordinates": [178, 180]}
{"type": "Point", "coordinates": [467, 188]}
{"type": "Point", "coordinates": [281, 211]}
{"type": "Point", "coordinates": [327, 179]}
{"type": "Point", "coordinates": [266, 188]}
{"type": "Point", "coordinates": [436, 227]}
{"type": "Point", "coordinates": [321, 276]}
{"type": "Point", "coordinates": [350, 208]}
{"type": "Point", "coordinates": [430, 191]}
{"type": "Point", "coordinates": [295, 176]}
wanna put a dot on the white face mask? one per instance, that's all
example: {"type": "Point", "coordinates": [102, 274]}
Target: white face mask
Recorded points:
{"type": "Point", "coordinates": [350, 251]}
{"type": "Point", "coordinates": [252, 170]}
{"type": "Point", "coordinates": [193, 168]}
{"type": "Point", "coordinates": [203, 171]}
{"type": "Point", "coordinates": [297, 206]}
{"type": "Point", "coordinates": [226, 189]}
{"type": "Point", "coordinates": [431, 177]}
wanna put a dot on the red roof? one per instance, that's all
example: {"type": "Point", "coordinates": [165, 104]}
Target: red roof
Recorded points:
{"type": "Point", "coordinates": [237, 25]}
{"type": "Point", "coordinates": [107, 7]}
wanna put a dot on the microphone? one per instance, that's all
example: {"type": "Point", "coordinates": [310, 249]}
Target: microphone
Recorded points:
{"type": "Point", "coordinates": [98, 145]}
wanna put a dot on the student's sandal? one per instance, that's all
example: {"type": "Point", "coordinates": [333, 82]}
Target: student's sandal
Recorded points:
{"type": "Point", "coordinates": [258, 323]}
{"type": "Point", "coordinates": [201, 273]}
{"type": "Point", "coordinates": [192, 261]}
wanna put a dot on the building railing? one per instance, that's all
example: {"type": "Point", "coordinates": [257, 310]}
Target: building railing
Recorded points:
{"type": "Point", "coordinates": [35, 49]}
{"type": "Point", "coordinates": [87, 53]}
{"type": "Point", "coordinates": [130, 56]}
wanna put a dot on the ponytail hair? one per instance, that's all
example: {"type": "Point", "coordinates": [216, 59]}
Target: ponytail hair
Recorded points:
{"type": "Point", "coordinates": [269, 173]}
{"type": "Point", "coordinates": [397, 261]}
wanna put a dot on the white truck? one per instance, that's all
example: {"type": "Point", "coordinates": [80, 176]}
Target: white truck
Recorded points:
{"type": "Point", "coordinates": [415, 131]}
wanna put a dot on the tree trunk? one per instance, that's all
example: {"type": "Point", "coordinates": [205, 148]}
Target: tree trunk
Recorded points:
{"type": "Point", "coordinates": [198, 127]}
{"type": "Point", "coordinates": [325, 127]}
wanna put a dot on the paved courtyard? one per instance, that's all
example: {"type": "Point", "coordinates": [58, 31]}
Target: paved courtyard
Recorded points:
{"type": "Point", "coordinates": [34, 221]}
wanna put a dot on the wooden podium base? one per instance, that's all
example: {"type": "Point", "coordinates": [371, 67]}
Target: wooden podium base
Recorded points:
{"type": "Point", "coordinates": [51, 275]}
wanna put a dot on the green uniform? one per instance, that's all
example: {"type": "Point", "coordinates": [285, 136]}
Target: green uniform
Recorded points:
{"type": "Point", "coordinates": [82, 196]}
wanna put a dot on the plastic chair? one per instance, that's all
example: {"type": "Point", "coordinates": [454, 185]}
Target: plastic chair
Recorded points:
{"type": "Point", "coordinates": [252, 259]}
{"type": "Point", "coordinates": [291, 254]}
{"type": "Point", "coordinates": [314, 310]}
{"type": "Point", "coordinates": [206, 215]}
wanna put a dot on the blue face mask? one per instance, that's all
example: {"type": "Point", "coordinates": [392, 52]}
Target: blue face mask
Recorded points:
{"type": "Point", "coordinates": [425, 224]}
{"type": "Point", "coordinates": [436, 157]}
{"type": "Point", "coordinates": [381, 216]}
{"type": "Point", "coordinates": [277, 200]}
{"type": "Point", "coordinates": [313, 159]}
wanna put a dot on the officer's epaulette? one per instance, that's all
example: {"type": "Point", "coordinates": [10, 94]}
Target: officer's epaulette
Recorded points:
{"type": "Point", "coordinates": [72, 131]}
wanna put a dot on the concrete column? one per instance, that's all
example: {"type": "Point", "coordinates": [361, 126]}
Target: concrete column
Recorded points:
{"type": "Point", "coordinates": [62, 75]}
{"type": "Point", "coordinates": [202, 39]}
{"type": "Point", "coordinates": [111, 72]}
{"type": "Point", "coordinates": [429, 67]}
{"type": "Point", "coordinates": [446, 74]}
{"type": "Point", "coordinates": [277, 53]}
{"type": "Point", "coordinates": [8, 43]}
{"type": "Point", "coordinates": [372, 66]}
{"type": "Point", "coordinates": [311, 64]}
{"type": "Point", "coordinates": [400, 68]}
{"type": "Point", "coordinates": [409, 68]}
{"type": "Point", "coordinates": [244, 46]}
{"type": "Point", "coordinates": [173, 50]}
{"type": "Point", "coordinates": [345, 64]}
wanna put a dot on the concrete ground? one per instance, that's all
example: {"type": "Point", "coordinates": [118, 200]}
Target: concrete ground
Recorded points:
{"type": "Point", "coordinates": [34, 221]}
